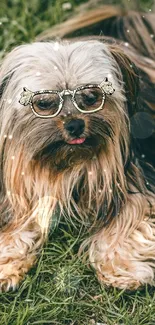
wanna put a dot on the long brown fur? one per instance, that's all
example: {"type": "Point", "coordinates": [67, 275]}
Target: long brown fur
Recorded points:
{"type": "Point", "coordinates": [108, 185]}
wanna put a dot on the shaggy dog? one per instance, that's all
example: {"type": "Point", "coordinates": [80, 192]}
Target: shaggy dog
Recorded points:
{"type": "Point", "coordinates": [70, 142]}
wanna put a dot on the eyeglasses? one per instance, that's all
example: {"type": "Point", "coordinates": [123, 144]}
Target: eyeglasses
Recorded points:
{"type": "Point", "coordinates": [48, 103]}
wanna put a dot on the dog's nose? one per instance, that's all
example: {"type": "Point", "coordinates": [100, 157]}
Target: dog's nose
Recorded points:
{"type": "Point", "coordinates": [75, 127]}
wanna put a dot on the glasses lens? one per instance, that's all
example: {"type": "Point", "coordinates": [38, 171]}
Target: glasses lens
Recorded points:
{"type": "Point", "coordinates": [46, 104]}
{"type": "Point", "coordinates": [89, 99]}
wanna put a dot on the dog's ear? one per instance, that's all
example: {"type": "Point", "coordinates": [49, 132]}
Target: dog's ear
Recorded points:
{"type": "Point", "coordinates": [3, 84]}
{"type": "Point", "coordinates": [130, 74]}
{"type": "Point", "coordinates": [140, 95]}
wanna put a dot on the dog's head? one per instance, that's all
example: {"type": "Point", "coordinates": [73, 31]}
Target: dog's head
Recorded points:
{"type": "Point", "coordinates": [77, 138]}
{"type": "Point", "coordinates": [53, 66]}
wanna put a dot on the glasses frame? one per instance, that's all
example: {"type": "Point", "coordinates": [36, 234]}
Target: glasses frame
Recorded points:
{"type": "Point", "coordinates": [27, 97]}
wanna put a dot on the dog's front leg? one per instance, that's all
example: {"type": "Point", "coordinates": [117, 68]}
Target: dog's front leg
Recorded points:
{"type": "Point", "coordinates": [19, 244]}
{"type": "Point", "coordinates": [123, 254]}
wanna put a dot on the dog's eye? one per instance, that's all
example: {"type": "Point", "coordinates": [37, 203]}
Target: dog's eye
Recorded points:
{"type": "Point", "coordinates": [46, 104]}
{"type": "Point", "coordinates": [89, 98]}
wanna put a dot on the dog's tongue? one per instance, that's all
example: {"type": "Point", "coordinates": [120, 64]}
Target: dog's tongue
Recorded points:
{"type": "Point", "coordinates": [77, 141]}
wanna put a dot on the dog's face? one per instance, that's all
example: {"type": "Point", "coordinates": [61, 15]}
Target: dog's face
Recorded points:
{"type": "Point", "coordinates": [77, 157]}
{"type": "Point", "coordinates": [71, 137]}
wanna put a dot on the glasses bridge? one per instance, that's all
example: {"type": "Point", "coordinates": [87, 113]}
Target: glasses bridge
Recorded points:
{"type": "Point", "coordinates": [67, 92]}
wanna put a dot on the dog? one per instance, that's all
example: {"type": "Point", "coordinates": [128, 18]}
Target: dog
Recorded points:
{"type": "Point", "coordinates": [77, 131]}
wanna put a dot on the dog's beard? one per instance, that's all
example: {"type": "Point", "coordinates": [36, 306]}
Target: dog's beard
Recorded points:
{"type": "Point", "coordinates": [58, 154]}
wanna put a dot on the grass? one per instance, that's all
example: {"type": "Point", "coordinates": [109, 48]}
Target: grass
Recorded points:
{"type": "Point", "coordinates": [22, 20]}
{"type": "Point", "coordinates": [62, 289]}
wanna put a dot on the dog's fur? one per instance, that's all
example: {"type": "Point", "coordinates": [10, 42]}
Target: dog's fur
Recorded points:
{"type": "Point", "coordinates": [108, 181]}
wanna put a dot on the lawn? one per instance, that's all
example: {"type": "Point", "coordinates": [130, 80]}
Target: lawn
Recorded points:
{"type": "Point", "coordinates": [62, 288]}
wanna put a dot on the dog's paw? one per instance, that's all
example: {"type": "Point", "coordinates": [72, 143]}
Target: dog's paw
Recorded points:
{"type": "Point", "coordinates": [10, 283]}
{"type": "Point", "coordinates": [9, 277]}
{"type": "Point", "coordinates": [123, 283]}
{"type": "Point", "coordinates": [12, 273]}
{"type": "Point", "coordinates": [130, 278]}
